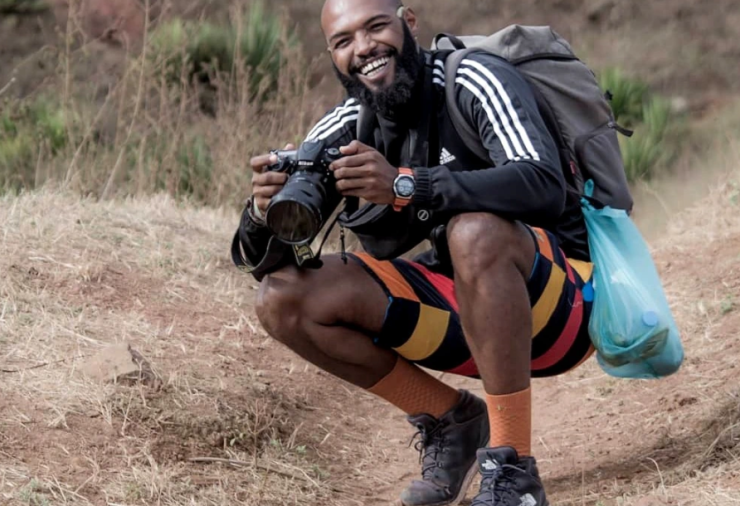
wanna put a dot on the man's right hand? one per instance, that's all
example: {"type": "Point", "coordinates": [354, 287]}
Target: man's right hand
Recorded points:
{"type": "Point", "coordinates": [266, 184]}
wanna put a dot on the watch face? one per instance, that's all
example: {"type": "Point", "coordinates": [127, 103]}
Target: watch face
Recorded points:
{"type": "Point", "coordinates": [405, 186]}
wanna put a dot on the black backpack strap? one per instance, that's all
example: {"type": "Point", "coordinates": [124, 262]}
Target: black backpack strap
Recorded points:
{"type": "Point", "coordinates": [366, 123]}
{"type": "Point", "coordinates": [468, 134]}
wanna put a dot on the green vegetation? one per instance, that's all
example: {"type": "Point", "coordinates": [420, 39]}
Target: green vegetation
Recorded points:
{"type": "Point", "coordinates": [29, 132]}
{"type": "Point", "coordinates": [254, 42]}
{"type": "Point", "coordinates": [22, 6]}
{"type": "Point", "coordinates": [650, 117]}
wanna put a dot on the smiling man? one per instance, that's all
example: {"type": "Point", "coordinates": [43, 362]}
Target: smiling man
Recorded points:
{"type": "Point", "coordinates": [498, 297]}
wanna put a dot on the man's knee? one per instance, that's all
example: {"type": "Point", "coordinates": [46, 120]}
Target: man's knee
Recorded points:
{"type": "Point", "coordinates": [481, 241]}
{"type": "Point", "coordinates": [279, 304]}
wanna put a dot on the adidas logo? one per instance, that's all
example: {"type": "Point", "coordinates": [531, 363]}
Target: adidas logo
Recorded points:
{"type": "Point", "coordinates": [446, 157]}
{"type": "Point", "coordinates": [528, 500]}
{"type": "Point", "coordinates": [489, 465]}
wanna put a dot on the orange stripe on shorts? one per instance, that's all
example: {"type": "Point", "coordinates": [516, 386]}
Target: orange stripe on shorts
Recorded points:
{"type": "Point", "coordinates": [544, 244]}
{"type": "Point", "coordinates": [389, 275]}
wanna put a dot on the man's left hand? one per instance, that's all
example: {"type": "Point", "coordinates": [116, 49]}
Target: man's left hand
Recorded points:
{"type": "Point", "coordinates": [363, 172]}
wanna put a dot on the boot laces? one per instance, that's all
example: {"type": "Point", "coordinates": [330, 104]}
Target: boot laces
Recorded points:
{"type": "Point", "coordinates": [429, 444]}
{"type": "Point", "coordinates": [497, 486]}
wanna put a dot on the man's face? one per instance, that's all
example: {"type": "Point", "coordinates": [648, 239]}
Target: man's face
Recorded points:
{"type": "Point", "coordinates": [373, 50]}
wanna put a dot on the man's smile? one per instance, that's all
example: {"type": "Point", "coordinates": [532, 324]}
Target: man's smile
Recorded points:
{"type": "Point", "coordinates": [375, 71]}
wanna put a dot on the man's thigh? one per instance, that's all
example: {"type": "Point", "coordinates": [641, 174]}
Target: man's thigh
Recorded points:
{"type": "Point", "coordinates": [422, 321]}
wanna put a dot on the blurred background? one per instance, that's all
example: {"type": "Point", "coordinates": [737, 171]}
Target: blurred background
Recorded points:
{"type": "Point", "coordinates": [119, 97]}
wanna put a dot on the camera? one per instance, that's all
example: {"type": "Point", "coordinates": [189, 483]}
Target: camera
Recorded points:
{"type": "Point", "coordinates": [296, 214]}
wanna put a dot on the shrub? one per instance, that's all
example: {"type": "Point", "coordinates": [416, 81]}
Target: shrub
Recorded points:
{"type": "Point", "coordinates": [634, 106]}
{"type": "Point", "coordinates": [30, 129]}
{"type": "Point", "coordinates": [17, 160]}
{"type": "Point", "coordinates": [261, 45]}
{"type": "Point", "coordinates": [253, 42]}
{"type": "Point", "coordinates": [195, 164]}
{"type": "Point", "coordinates": [640, 154]}
{"type": "Point", "coordinates": [627, 95]}
{"type": "Point", "coordinates": [22, 6]}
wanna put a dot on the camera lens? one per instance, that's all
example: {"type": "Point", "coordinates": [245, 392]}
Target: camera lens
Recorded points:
{"type": "Point", "coordinates": [293, 222]}
{"type": "Point", "coordinates": [295, 214]}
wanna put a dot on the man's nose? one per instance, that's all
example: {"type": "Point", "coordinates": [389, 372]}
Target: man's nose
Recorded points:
{"type": "Point", "coordinates": [365, 44]}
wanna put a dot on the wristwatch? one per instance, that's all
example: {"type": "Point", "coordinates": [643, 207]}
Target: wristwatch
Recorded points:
{"type": "Point", "coordinates": [404, 187]}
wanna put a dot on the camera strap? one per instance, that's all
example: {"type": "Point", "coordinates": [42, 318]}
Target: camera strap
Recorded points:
{"type": "Point", "coordinates": [423, 137]}
{"type": "Point", "coordinates": [306, 258]}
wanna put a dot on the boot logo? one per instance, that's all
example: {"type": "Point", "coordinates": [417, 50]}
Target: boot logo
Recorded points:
{"type": "Point", "coordinates": [528, 500]}
{"type": "Point", "coordinates": [489, 465]}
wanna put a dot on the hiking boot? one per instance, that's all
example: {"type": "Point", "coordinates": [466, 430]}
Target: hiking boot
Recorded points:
{"type": "Point", "coordinates": [447, 450]}
{"type": "Point", "coordinates": [508, 480]}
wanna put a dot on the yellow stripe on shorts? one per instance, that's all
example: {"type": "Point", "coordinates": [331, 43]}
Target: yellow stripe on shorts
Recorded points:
{"type": "Point", "coordinates": [428, 335]}
{"type": "Point", "coordinates": [548, 301]}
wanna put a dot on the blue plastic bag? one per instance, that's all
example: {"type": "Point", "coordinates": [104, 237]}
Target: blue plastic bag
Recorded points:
{"type": "Point", "coordinates": [631, 326]}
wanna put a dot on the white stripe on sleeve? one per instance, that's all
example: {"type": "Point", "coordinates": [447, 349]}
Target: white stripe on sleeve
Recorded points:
{"type": "Point", "coordinates": [491, 116]}
{"type": "Point", "coordinates": [512, 114]}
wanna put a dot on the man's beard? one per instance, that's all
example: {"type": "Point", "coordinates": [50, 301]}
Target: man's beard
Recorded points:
{"type": "Point", "coordinates": [396, 97]}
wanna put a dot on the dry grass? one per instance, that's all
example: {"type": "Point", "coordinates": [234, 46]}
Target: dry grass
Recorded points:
{"type": "Point", "coordinates": [80, 276]}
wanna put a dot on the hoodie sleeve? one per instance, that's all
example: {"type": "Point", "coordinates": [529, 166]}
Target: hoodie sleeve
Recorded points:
{"type": "Point", "coordinates": [254, 245]}
{"type": "Point", "coordinates": [524, 181]}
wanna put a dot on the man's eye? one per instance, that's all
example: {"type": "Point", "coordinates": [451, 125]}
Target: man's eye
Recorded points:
{"type": "Point", "coordinates": [378, 26]}
{"type": "Point", "coordinates": [341, 44]}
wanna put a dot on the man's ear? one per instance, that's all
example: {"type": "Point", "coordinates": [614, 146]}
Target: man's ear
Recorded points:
{"type": "Point", "coordinates": [408, 15]}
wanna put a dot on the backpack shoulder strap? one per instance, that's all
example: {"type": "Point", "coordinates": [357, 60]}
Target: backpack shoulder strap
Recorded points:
{"type": "Point", "coordinates": [366, 122]}
{"type": "Point", "coordinates": [469, 135]}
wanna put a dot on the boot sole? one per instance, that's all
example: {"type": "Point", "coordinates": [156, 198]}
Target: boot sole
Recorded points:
{"type": "Point", "coordinates": [465, 485]}
{"type": "Point", "coordinates": [467, 481]}
{"type": "Point", "coordinates": [469, 476]}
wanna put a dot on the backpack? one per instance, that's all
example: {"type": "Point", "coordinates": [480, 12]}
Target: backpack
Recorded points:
{"type": "Point", "coordinates": [576, 112]}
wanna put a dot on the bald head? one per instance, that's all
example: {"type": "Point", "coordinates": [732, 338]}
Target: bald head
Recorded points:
{"type": "Point", "coordinates": [335, 8]}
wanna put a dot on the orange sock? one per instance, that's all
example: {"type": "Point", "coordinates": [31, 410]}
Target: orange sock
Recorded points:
{"type": "Point", "coordinates": [415, 392]}
{"type": "Point", "coordinates": [511, 421]}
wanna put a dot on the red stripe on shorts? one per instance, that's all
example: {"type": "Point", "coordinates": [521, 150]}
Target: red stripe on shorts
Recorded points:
{"type": "Point", "coordinates": [563, 345]}
{"type": "Point", "coordinates": [467, 369]}
{"type": "Point", "coordinates": [444, 285]}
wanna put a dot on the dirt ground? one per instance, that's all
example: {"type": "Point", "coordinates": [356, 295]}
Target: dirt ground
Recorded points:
{"type": "Point", "coordinates": [80, 276]}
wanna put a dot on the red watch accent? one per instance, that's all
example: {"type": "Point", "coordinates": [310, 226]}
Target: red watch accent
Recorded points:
{"type": "Point", "coordinates": [400, 202]}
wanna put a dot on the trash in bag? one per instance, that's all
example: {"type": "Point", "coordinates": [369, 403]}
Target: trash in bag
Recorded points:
{"type": "Point", "coordinates": [631, 326]}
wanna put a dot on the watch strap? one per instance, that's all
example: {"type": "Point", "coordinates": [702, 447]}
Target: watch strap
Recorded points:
{"type": "Point", "coordinates": [400, 202]}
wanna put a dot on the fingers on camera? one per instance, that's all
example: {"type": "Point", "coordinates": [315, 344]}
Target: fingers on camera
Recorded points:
{"type": "Point", "coordinates": [270, 178]}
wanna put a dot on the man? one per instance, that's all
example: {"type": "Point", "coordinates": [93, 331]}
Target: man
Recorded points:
{"type": "Point", "coordinates": [497, 298]}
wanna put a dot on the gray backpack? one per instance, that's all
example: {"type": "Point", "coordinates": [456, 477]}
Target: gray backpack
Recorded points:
{"type": "Point", "coordinates": [576, 111]}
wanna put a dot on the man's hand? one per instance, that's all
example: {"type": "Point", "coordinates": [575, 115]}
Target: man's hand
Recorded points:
{"type": "Point", "coordinates": [363, 172]}
{"type": "Point", "coordinates": [266, 184]}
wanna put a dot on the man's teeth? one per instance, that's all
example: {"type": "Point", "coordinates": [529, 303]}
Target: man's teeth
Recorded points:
{"type": "Point", "coordinates": [373, 67]}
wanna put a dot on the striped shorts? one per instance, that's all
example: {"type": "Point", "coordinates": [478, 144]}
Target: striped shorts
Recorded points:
{"type": "Point", "coordinates": [422, 323]}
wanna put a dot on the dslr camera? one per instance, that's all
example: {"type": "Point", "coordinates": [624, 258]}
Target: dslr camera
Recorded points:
{"type": "Point", "coordinates": [296, 214]}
